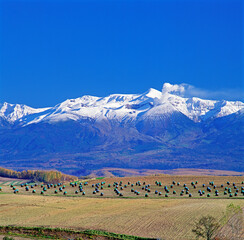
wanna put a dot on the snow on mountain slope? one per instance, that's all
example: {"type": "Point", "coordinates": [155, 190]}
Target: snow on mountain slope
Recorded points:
{"type": "Point", "coordinates": [13, 112]}
{"type": "Point", "coordinates": [195, 108]}
{"type": "Point", "coordinates": [124, 107]}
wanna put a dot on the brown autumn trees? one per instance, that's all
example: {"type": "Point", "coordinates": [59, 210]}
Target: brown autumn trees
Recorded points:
{"type": "Point", "coordinates": [37, 175]}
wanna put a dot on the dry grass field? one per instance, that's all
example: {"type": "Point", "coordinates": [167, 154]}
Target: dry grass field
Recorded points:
{"type": "Point", "coordinates": [147, 186]}
{"type": "Point", "coordinates": [8, 181]}
{"type": "Point", "coordinates": [153, 216]}
{"type": "Point", "coordinates": [122, 172]}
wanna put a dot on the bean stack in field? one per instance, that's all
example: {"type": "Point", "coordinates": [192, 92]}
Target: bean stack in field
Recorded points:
{"type": "Point", "coordinates": [162, 186]}
{"type": "Point", "coordinates": [163, 218]}
{"type": "Point", "coordinates": [150, 207]}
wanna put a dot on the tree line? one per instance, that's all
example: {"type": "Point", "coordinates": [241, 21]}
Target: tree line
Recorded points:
{"type": "Point", "coordinates": [37, 175]}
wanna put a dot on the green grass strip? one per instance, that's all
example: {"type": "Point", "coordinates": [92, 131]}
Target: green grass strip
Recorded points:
{"type": "Point", "coordinates": [43, 232]}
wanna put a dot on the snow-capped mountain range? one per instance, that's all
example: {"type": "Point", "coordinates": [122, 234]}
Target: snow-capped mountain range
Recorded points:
{"type": "Point", "coordinates": [123, 107]}
{"type": "Point", "coordinates": [157, 129]}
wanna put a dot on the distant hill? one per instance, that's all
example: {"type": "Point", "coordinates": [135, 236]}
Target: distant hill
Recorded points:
{"type": "Point", "coordinates": [154, 130]}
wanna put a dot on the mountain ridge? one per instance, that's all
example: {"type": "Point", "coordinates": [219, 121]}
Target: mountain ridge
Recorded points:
{"type": "Point", "coordinates": [153, 130]}
{"type": "Point", "coordinates": [119, 106]}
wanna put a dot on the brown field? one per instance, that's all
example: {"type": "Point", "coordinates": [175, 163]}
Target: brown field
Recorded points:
{"type": "Point", "coordinates": [8, 181]}
{"type": "Point", "coordinates": [155, 216]}
{"type": "Point", "coordinates": [166, 180]}
{"type": "Point", "coordinates": [123, 172]}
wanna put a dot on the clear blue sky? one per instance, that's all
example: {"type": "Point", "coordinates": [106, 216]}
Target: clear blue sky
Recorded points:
{"type": "Point", "coordinates": [54, 50]}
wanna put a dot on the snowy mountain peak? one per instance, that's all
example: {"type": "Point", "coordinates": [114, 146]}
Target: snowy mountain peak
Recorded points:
{"type": "Point", "coordinates": [125, 107]}
{"type": "Point", "coordinates": [153, 93]}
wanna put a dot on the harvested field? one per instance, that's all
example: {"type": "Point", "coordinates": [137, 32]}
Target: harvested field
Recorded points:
{"type": "Point", "coordinates": [157, 187]}
{"type": "Point", "coordinates": [8, 181]}
{"type": "Point", "coordinates": [234, 228]}
{"type": "Point", "coordinates": [167, 179]}
{"type": "Point", "coordinates": [123, 172]}
{"type": "Point", "coordinates": [154, 218]}
{"type": "Point", "coordinates": [147, 214]}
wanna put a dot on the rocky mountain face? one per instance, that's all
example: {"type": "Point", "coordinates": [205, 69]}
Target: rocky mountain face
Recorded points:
{"type": "Point", "coordinates": [154, 130]}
